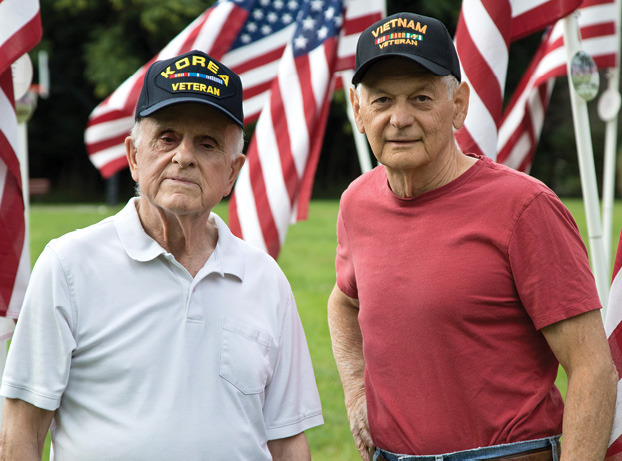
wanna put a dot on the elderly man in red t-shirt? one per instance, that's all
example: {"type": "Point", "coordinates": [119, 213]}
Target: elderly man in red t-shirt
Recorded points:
{"type": "Point", "coordinates": [461, 284]}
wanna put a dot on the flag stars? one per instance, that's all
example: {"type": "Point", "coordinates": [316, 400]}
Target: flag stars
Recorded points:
{"type": "Point", "coordinates": [258, 14]}
{"type": "Point", "coordinates": [292, 5]}
{"type": "Point", "coordinates": [308, 23]}
{"type": "Point", "coordinates": [278, 4]}
{"type": "Point", "coordinates": [245, 38]}
{"type": "Point", "coordinates": [317, 5]}
{"type": "Point", "coordinates": [329, 13]}
{"type": "Point", "coordinates": [272, 17]}
{"type": "Point", "coordinates": [322, 33]}
{"type": "Point", "coordinates": [266, 29]}
{"type": "Point", "coordinates": [287, 18]}
{"type": "Point", "coordinates": [265, 2]}
{"type": "Point", "coordinates": [251, 27]}
{"type": "Point", "coordinates": [300, 42]}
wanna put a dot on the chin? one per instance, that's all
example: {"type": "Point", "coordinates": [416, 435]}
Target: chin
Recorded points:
{"type": "Point", "coordinates": [405, 161]}
{"type": "Point", "coordinates": [179, 206]}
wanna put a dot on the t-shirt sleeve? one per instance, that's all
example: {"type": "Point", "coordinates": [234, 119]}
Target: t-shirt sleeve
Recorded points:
{"type": "Point", "coordinates": [292, 402]}
{"type": "Point", "coordinates": [39, 358]}
{"type": "Point", "coordinates": [550, 264]}
{"type": "Point", "coordinates": [344, 264]}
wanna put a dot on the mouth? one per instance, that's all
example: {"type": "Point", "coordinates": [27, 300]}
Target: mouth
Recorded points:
{"type": "Point", "coordinates": [402, 142]}
{"type": "Point", "coordinates": [181, 181]}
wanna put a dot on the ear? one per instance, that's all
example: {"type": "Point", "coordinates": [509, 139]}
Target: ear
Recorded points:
{"type": "Point", "coordinates": [461, 104]}
{"type": "Point", "coordinates": [356, 109]}
{"type": "Point", "coordinates": [130, 153]}
{"type": "Point", "coordinates": [236, 166]}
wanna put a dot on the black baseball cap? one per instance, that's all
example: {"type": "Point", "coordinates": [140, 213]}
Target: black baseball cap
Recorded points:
{"type": "Point", "coordinates": [413, 36]}
{"type": "Point", "coordinates": [191, 77]}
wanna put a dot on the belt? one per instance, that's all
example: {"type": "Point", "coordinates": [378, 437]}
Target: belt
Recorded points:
{"type": "Point", "coordinates": [543, 454]}
{"type": "Point", "coordinates": [538, 454]}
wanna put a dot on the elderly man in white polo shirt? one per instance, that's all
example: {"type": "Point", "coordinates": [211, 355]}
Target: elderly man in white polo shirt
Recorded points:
{"type": "Point", "coordinates": [157, 334]}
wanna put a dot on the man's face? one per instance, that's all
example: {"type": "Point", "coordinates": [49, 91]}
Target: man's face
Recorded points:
{"type": "Point", "coordinates": [183, 161]}
{"type": "Point", "coordinates": [407, 114]}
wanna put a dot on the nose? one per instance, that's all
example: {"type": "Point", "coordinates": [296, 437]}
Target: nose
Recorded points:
{"type": "Point", "coordinates": [184, 154]}
{"type": "Point", "coordinates": [401, 115]}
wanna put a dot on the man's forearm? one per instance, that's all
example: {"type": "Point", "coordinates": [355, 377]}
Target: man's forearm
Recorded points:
{"type": "Point", "coordinates": [347, 343]}
{"type": "Point", "coordinates": [348, 351]}
{"type": "Point", "coordinates": [23, 432]}
{"type": "Point", "coordinates": [290, 448]}
{"type": "Point", "coordinates": [588, 414]}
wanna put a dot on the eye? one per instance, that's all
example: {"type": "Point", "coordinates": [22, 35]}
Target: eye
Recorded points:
{"type": "Point", "coordinates": [168, 137]}
{"type": "Point", "coordinates": [422, 98]}
{"type": "Point", "coordinates": [208, 144]}
{"type": "Point", "coordinates": [382, 100]}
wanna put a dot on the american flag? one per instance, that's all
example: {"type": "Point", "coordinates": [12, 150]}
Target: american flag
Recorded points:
{"type": "Point", "coordinates": [524, 116]}
{"type": "Point", "coordinates": [20, 30]}
{"type": "Point", "coordinates": [249, 36]}
{"type": "Point", "coordinates": [483, 36]}
{"type": "Point", "coordinates": [613, 329]}
{"type": "Point", "coordinates": [274, 186]}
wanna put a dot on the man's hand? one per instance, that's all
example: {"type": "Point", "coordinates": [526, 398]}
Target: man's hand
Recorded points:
{"type": "Point", "coordinates": [359, 426]}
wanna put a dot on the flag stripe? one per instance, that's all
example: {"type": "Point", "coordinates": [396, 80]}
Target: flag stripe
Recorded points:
{"type": "Point", "coordinates": [613, 330]}
{"type": "Point", "coordinates": [482, 41]}
{"type": "Point", "coordinates": [530, 16]}
{"type": "Point", "coordinates": [20, 30]}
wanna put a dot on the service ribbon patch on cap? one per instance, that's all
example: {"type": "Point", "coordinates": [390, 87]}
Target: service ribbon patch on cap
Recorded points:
{"type": "Point", "coordinates": [399, 38]}
{"type": "Point", "coordinates": [199, 75]}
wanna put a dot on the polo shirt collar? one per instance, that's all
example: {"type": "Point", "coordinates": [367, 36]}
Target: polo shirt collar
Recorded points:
{"type": "Point", "coordinates": [136, 242]}
{"type": "Point", "coordinates": [227, 257]}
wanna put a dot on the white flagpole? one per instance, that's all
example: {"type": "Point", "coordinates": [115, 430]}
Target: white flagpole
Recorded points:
{"type": "Point", "coordinates": [360, 140]}
{"type": "Point", "coordinates": [609, 107]}
{"type": "Point", "coordinates": [586, 166]}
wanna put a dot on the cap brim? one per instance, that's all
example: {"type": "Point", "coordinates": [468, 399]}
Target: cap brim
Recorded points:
{"type": "Point", "coordinates": [429, 65]}
{"type": "Point", "coordinates": [169, 102]}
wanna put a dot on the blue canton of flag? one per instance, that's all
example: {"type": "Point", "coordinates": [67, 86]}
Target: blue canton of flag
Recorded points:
{"type": "Point", "coordinates": [265, 17]}
{"type": "Point", "coordinates": [318, 21]}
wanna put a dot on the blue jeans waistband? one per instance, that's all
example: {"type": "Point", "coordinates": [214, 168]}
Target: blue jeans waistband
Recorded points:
{"type": "Point", "coordinates": [494, 451]}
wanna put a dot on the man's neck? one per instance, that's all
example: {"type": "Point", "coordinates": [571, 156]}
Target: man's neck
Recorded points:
{"type": "Point", "coordinates": [410, 183]}
{"type": "Point", "coordinates": [190, 239]}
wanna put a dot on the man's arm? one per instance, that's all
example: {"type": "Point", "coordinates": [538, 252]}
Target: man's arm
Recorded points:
{"type": "Point", "coordinates": [580, 345]}
{"type": "Point", "coordinates": [24, 428]}
{"type": "Point", "coordinates": [289, 448]}
{"type": "Point", "coordinates": [347, 340]}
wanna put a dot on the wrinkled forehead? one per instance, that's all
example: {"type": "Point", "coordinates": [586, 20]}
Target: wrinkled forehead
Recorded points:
{"type": "Point", "coordinates": [191, 118]}
{"type": "Point", "coordinates": [396, 68]}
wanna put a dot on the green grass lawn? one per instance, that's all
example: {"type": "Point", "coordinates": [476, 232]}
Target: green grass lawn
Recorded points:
{"type": "Point", "coordinates": [307, 259]}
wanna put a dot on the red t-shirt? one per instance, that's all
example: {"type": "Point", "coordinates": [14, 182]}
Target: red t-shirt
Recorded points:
{"type": "Point", "coordinates": [453, 286]}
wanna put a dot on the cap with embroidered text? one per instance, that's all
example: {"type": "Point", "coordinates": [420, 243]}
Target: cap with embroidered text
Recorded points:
{"type": "Point", "coordinates": [192, 77]}
{"type": "Point", "coordinates": [419, 38]}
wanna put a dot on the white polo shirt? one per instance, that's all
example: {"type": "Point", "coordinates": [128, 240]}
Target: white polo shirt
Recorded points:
{"type": "Point", "coordinates": [142, 361]}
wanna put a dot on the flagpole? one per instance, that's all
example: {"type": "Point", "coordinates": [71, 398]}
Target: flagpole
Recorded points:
{"type": "Point", "coordinates": [586, 166]}
{"type": "Point", "coordinates": [609, 170]}
{"type": "Point", "coordinates": [610, 101]}
{"type": "Point", "coordinates": [360, 140]}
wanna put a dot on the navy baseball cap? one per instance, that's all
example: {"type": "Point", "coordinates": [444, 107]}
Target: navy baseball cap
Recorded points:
{"type": "Point", "coordinates": [191, 77]}
{"type": "Point", "coordinates": [421, 39]}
